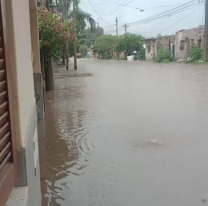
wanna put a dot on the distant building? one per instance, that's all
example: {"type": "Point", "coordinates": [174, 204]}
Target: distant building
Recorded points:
{"type": "Point", "coordinates": [150, 48]}
{"type": "Point", "coordinates": [184, 39]}
{"type": "Point", "coordinates": [166, 41]}
{"type": "Point", "coordinates": [152, 45]}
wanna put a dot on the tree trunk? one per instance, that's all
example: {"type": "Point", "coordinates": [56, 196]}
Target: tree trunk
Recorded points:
{"type": "Point", "coordinates": [67, 56]}
{"type": "Point", "coordinates": [63, 57]}
{"type": "Point", "coordinates": [49, 75]}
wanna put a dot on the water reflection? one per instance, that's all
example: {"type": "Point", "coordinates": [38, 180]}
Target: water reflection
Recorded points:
{"type": "Point", "coordinates": [133, 134]}
{"type": "Point", "coordinates": [63, 137]}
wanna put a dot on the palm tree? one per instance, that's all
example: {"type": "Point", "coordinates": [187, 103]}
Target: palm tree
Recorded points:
{"type": "Point", "coordinates": [83, 18]}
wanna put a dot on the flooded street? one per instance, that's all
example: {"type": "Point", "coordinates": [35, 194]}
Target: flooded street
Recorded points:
{"type": "Point", "coordinates": [126, 134]}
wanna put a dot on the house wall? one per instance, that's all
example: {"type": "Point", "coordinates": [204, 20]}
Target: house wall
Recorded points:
{"type": "Point", "coordinates": [22, 54]}
{"type": "Point", "coordinates": [187, 35]}
{"type": "Point", "coordinates": [164, 41]}
{"type": "Point", "coordinates": [150, 55]}
{"type": "Point", "coordinates": [37, 74]}
{"type": "Point", "coordinates": [21, 66]}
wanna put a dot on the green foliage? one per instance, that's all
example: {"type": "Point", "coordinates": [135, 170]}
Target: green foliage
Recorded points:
{"type": "Point", "coordinates": [163, 55]}
{"type": "Point", "coordinates": [195, 53]}
{"type": "Point", "coordinates": [92, 35]}
{"type": "Point", "coordinates": [131, 43]}
{"type": "Point", "coordinates": [53, 33]}
{"type": "Point", "coordinates": [82, 18]}
{"type": "Point", "coordinates": [104, 46]}
{"type": "Point", "coordinates": [83, 50]}
{"type": "Point", "coordinates": [166, 61]}
{"type": "Point", "coordinates": [71, 49]}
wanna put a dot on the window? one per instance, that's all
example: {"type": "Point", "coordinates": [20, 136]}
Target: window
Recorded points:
{"type": "Point", "coordinates": [148, 49]}
{"type": "Point", "coordinates": [192, 41]}
{"type": "Point", "coordinates": [182, 45]}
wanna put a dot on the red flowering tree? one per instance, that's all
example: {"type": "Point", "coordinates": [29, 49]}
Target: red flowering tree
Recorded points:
{"type": "Point", "coordinates": [53, 34]}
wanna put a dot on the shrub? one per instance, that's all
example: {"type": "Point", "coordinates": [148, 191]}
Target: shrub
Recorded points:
{"type": "Point", "coordinates": [163, 55]}
{"type": "Point", "coordinates": [195, 53]}
{"type": "Point", "coordinates": [166, 61]}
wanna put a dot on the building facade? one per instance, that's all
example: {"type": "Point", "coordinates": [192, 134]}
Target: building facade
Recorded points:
{"type": "Point", "coordinates": [21, 104]}
{"type": "Point", "coordinates": [184, 39]}
{"type": "Point", "coordinates": [168, 42]}
{"type": "Point", "coordinates": [150, 48]}
{"type": "Point", "coordinates": [152, 44]}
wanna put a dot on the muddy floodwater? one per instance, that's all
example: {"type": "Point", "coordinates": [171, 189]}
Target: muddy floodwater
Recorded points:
{"type": "Point", "coordinates": [126, 134]}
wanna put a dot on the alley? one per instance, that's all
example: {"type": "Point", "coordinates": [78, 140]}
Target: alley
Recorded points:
{"type": "Point", "coordinates": [126, 133]}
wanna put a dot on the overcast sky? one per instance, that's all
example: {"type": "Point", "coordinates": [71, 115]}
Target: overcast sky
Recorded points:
{"type": "Point", "coordinates": [108, 10]}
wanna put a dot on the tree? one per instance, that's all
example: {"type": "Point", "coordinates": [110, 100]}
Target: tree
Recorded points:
{"type": "Point", "coordinates": [92, 35]}
{"type": "Point", "coordinates": [159, 35]}
{"type": "Point", "coordinates": [53, 33]}
{"type": "Point", "coordinates": [83, 50]}
{"type": "Point", "coordinates": [83, 18]}
{"type": "Point", "coordinates": [104, 46]}
{"type": "Point", "coordinates": [131, 43]}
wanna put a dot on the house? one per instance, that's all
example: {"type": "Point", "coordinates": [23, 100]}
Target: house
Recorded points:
{"type": "Point", "coordinates": [151, 47]}
{"type": "Point", "coordinates": [21, 92]}
{"type": "Point", "coordinates": [167, 42]}
{"type": "Point", "coordinates": [184, 39]}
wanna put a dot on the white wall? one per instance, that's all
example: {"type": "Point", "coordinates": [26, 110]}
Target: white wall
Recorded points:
{"type": "Point", "coordinates": [18, 18]}
{"type": "Point", "coordinates": [35, 40]}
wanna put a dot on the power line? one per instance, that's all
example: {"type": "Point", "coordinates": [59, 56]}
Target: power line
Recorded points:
{"type": "Point", "coordinates": [97, 13]}
{"type": "Point", "coordinates": [173, 23]}
{"type": "Point", "coordinates": [135, 7]}
{"type": "Point", "coordinates": [167, 13]}
{"type": "Point", "coordinates": [110, 29]}
{"type": "Point", "coordinates": [121, 6]}
{"type": "Point", "coordinates": [161, 17]}
{"type": "Point", "coordinates": [126, 2]}
{"type": "Point", "coordinates": [178, 21]}
{"type": "Point", "coordinates": [84, 6]}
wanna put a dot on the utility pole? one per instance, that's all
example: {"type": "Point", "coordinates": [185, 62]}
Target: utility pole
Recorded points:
{"type": "Point", "coordinates": [47, 4]}
{"type": "Point", "coordinates": [206, 31]}
{"type": "Point", "coordinates": [125, 26]}
{"type": "Point", "coordinates": [117, 35]}
{"type": "Point", "coordinates": [75, 33]}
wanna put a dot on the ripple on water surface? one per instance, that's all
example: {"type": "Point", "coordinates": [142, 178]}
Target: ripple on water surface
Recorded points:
{"type": "Point", "coordinates": [148, 146]}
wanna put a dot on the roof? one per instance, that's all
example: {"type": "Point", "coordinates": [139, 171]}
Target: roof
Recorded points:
{"type": "Point", "coordinates": [150, 39]}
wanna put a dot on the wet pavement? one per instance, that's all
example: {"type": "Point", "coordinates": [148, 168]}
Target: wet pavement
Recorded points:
{"type": "Point", "coordinates": [132, 133]}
